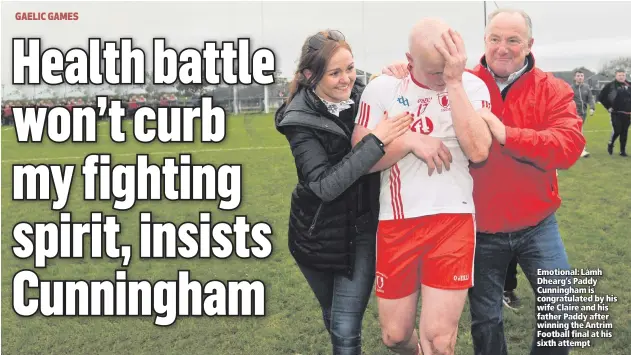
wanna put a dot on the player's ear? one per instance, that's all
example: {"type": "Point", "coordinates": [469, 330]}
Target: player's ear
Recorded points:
{"type": "Point", "coordinates": [307, 73]}
{"type": "Point", "coordinates": [409, 58]}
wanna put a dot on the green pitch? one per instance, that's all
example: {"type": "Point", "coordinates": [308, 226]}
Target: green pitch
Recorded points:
{"type": "Point", "coordinates": [595, 222]}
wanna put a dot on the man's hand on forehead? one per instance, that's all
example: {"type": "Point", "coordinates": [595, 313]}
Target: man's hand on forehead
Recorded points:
{"type": "Point", "coordinates": [451, 47]}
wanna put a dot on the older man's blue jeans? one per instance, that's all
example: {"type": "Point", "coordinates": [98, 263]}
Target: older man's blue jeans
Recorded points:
{"type": "Point", "coordinates": [538, 248]}
{"type": "Point", "coordinates": [343, 300]}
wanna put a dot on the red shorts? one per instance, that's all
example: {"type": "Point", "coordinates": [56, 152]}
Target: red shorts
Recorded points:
{"type": "Point", "coordinates": [435, 251]}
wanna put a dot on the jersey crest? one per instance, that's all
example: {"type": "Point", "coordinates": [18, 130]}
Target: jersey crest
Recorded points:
{"type": "Point", "coordinates": [443, 100]}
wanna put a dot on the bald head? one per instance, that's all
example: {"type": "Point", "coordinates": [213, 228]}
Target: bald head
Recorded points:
{"type": "Point", "coordinates": [423, 36]}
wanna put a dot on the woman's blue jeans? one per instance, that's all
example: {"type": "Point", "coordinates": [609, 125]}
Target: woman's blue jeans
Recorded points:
{"type": "Point", "coordinates": [343, 300]}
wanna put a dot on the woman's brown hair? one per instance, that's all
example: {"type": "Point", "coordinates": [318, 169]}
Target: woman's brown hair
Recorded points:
{"type": "Point", "coordinates": [315, 56]}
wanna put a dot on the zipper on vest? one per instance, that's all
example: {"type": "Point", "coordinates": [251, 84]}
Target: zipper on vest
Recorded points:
{"type": "Point", "coordinates": [580, 95]}
{"type": "Point", "coordinates": [315, 218]}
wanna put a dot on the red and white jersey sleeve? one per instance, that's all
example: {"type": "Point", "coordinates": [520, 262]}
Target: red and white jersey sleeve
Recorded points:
{"type": "Point", "coordinates": [375, 100]}
{"type": "Point", "coordinates": [477, 91]}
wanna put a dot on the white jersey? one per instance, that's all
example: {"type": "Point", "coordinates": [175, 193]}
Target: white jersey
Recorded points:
{"type": "Point", "coordinates": [406, 189]}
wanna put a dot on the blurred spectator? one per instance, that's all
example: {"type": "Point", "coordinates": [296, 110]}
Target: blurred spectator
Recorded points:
{"type": "Point", "coordinates": [616, 98]}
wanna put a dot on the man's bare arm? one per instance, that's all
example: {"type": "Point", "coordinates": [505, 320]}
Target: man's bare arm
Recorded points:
{"type": "Point", "coordinates": [431, 150]}
{"type": "Point", "coordinates": [472, 131]}
{"type": "Point", "coordinates": [395, 151]}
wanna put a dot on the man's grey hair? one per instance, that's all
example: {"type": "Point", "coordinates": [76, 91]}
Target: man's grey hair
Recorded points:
{"type": "Point", "coordinates": [514, 11]}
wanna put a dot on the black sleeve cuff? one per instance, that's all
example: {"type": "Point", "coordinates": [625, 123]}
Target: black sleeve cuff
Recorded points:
{"type": "Point", "coordinates": [374, 138]}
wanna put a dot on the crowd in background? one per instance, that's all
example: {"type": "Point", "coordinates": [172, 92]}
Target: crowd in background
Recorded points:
{"type": "Point", "coordinates": [130, 102]}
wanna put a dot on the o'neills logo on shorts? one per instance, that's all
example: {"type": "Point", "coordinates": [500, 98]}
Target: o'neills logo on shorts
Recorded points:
{"type": "Point", "coordinates": [461, 278]}
{"type": "Point", "coordinates": [47, 16]}
{"type": "Point", "coordinates": [380, 281]}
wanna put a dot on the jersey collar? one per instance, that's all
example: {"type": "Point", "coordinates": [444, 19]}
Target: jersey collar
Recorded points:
{"type": "Point", "coordinates": [418, 83]}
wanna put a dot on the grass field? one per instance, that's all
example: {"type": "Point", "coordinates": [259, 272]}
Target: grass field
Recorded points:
{"type": "Point", "coordinates": [595, 222]}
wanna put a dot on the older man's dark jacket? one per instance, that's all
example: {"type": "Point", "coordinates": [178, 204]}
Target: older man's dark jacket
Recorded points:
{"type": "Point", "coordinates": [617, 96]}
{"type": "Point", "coordinates": [335, 199]}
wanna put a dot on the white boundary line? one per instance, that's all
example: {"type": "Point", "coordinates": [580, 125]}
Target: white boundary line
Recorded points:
{"type": "Point", "coordinates": [171, 152]}
{"type": "Point", "coordinates": [148, 153]}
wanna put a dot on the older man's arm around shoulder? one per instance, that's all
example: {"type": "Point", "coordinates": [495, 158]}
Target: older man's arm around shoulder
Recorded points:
{"type": "Point", "coordinates": [560, 143]}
